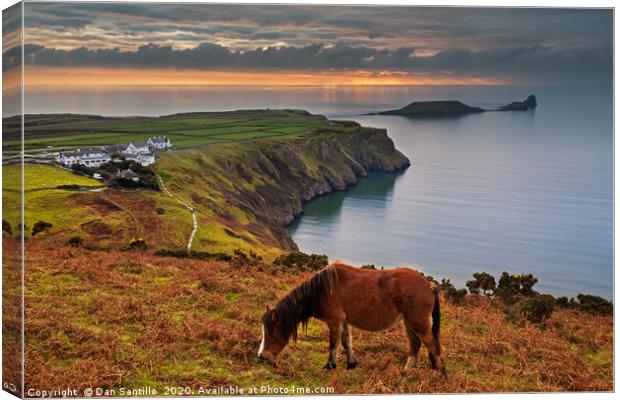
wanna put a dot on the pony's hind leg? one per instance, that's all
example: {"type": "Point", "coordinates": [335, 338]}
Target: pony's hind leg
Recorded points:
{"type": "Point", "coordinates": [348, 346]}
{"type": "Point", "coordinates": [414, 348]}
{"type": "Point", "coordinates": [335, 335]}
{"type": "Point", "coordinates": [434, 352]}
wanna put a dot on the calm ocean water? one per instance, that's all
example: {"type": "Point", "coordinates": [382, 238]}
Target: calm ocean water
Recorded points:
{"type": "Point", "coordinates": [527, 192]}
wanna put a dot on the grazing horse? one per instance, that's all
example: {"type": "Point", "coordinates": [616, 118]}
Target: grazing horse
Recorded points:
{"type": "Point", "coordinates": [343, 296]}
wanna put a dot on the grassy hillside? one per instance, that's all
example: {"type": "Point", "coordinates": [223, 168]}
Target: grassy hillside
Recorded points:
{"type": "Point", "coordinates": [103, 219]}
{"type": "Point", "coordinates": [134, 320]}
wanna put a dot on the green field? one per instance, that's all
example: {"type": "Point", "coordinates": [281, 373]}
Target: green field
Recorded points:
{"type": "Point", "coordinates": [56, 132]}
{"type": "Point", "coordinates": [109, 218]}
{"type": "Point", "coordinates": [43, 201]}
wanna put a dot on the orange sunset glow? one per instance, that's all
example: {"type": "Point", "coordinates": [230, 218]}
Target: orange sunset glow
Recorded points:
{"type": "Point", "coordinates": [79, 77]}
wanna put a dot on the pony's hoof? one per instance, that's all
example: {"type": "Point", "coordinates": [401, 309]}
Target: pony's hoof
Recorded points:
{"type": "Point", "coordinates": [352, 365]}
{"type": "Point", "coordinates": [329, 366]}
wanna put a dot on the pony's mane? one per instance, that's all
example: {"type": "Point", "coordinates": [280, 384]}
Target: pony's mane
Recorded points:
{"type": "Point", "coordinates": [303, 302]}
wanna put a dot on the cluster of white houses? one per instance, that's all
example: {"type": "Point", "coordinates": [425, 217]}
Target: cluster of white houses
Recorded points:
{"type": "Point", "coordinates": [140, 152]}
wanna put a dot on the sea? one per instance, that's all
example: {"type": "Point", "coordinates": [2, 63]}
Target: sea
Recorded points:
{"type": "Point", "coordinates": [520, 192]}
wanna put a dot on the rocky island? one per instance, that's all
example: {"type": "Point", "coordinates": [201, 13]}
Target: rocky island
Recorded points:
{"type": "Point", "coordinates": [453, 108]}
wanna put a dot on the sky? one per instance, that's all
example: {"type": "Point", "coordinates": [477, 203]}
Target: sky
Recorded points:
{"type": "Point", "coordinates": [87, 44]}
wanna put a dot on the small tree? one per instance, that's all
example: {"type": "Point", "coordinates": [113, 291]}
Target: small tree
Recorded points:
{"type": "Point", "coordinates": [6, 227]}
{"type": "Point", "coordinates": [482, 281]}
{"type": "Point", "coordinates": [487, 282]}
{"type": "Point", "coordinates": [512, 286]}
{"type": "Point", "coordinates": [527, 283]}
{"type": "Point", "coordinates": [41, 226]}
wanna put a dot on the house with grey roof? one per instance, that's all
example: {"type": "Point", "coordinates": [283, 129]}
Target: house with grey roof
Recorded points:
{"type": "Point", "coordinates": [143, 158]}
{"type": "Point", "coordinates": [140, 152]}
{"type": "Point", "coordinates": [86, 157]}
{"type": "Point", "coordinates": [160, 142]}
{"type": "Point", "coordinates": [138, 147]}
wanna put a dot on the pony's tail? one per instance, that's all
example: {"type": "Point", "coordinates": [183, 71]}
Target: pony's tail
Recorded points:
{"type": "Point", "coordinates": [436, 315]}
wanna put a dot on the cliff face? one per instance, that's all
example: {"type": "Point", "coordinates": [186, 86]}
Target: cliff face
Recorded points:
{"type": "Point", "coordinates": [255, 189]}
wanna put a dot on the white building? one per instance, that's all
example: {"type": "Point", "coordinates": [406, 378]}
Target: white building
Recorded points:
{"type": "Point", "coordinates": [137, 148]}
{"type": "Point", "coordinates": [160, 142]}
{"type": "Point", "coordinates": [139, 152]}
{"type": "Point", "coordinates": [86, 157]}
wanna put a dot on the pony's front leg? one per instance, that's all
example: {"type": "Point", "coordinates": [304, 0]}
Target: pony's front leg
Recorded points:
{"type": "Point", "coordinates": [335, 334]}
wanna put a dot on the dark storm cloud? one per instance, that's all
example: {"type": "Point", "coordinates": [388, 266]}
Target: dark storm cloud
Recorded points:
{"type": "Point", "coordinates": [487, 27]}
{"type": "Point", "coordinates": [531, 63]}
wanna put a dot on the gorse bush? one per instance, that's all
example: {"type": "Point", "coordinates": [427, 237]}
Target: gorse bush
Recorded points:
{"type": "Point", "coordinates": [41, 226]}
{"type": "Point", "coordinates": [83, 170]}
{"type": "Point", "coordinates": [69, 187]}
{"type": "Point", "coordinates": [595, 304]}
{"type": "Point", "coordinates": [451, 293]}
{"type": "Point", "coordinates": [75, 241]}
{"type": "Point", "coordinates": [6, 227]}
{"type": "Point", "coordinates": [198, 255]}
{"type": "Point", "coordinates": [241, 259]}
{"type": "Point", "coordinates": [536, 308]}
{"type": "Point", "coordinates": [301, 261]}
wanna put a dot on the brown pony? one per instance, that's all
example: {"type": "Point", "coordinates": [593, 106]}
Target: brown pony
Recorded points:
{"type": "Point", "coordinates": [343, 296]}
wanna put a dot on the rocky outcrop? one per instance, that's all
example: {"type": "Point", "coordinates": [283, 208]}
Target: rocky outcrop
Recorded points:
{"type": "Point", "coordinates": [451, 108]}
{"type": "Point", "coordinates": [524, 105]}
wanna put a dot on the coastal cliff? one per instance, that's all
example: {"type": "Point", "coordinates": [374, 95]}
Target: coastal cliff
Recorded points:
{"type": "Point", "coordinates": [253, 190]}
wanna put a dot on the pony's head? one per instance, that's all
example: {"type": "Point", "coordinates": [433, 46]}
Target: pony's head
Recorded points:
{"type": "Point", "coordinates": [274, 338]}
{"type": "Point", "coordinates": [297, 307]}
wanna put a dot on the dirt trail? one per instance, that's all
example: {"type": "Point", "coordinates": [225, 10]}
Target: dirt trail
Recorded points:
{"type": "Point", "coordinates": [184, 204]}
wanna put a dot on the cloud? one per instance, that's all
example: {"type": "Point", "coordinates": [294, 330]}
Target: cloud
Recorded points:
{"type": "Point", "coordinates": [299, 25]}
{"type": "Point", "coordinates": [533, 44]}
{"type": "Point", "coordinates": [533, 64]}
